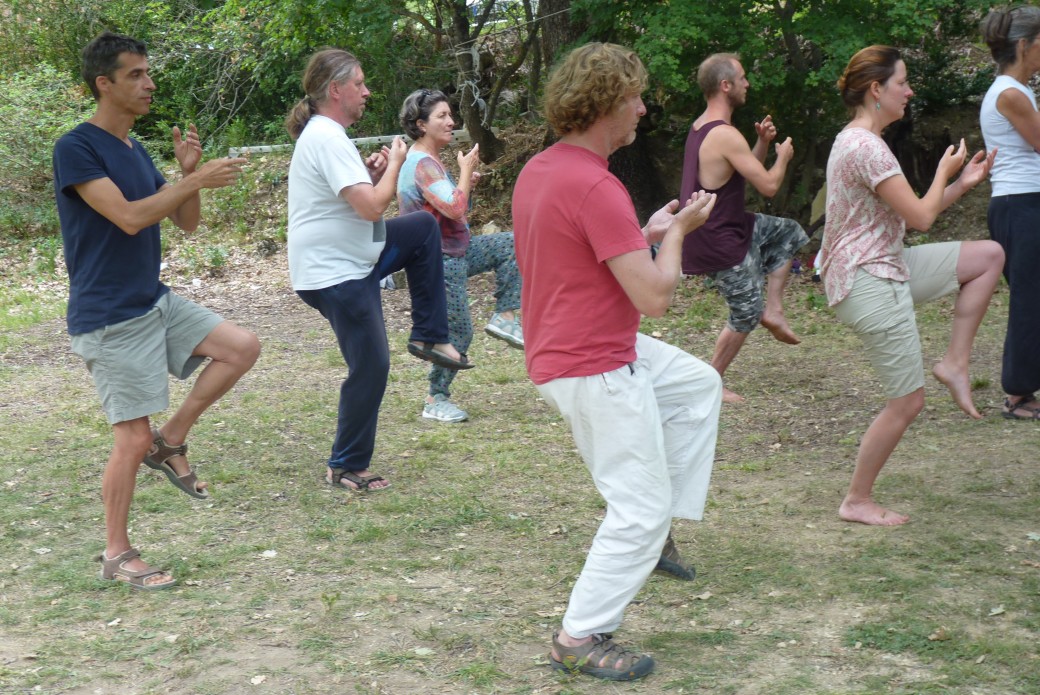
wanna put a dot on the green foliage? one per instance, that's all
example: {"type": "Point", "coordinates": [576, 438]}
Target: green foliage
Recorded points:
{"type": "Point", "coordinates": [39, 105]}
{"type": "Point", "coordinates": [794, 52]}
{"type": "Point", "coordinates": [233, 67]}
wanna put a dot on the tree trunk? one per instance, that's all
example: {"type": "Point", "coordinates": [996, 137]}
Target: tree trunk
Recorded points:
{"type": "Point", "coordinates": [558, 31]}
{"type": "Point", "coordinates": [474, 109]}
{"type": "Point", "coordinates": [534, 79]}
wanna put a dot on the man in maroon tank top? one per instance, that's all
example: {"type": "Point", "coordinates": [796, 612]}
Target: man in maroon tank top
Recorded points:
{"type": "Point", "coordinates": [739, 250]}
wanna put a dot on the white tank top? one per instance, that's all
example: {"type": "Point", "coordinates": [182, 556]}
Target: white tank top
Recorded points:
{"type": "Point", "coordinates": [1017, 166]}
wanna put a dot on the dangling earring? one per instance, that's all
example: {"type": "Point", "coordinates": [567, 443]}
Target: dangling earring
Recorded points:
{"type": "Point", "coordinates": [877, 105]}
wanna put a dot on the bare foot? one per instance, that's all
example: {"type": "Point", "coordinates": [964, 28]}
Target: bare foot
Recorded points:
{"type": "Point", "coordinates": [364, 475]}
{"type": "Point", "coordinates": [777, 325]}
{"type": "Point", "coordinates": [730, 397]}
{"type": "Point", "coordinates": [449, 350]}
{"type": "Point", "coordinates": [870, 513]}
{"type": "Point", "coordinates": [959, 385]}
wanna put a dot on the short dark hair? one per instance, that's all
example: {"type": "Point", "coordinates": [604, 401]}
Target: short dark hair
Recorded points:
{"type": "Point", "coordinates": [417, 107]}
{"type": "Point", "coordinates": [101, 57]}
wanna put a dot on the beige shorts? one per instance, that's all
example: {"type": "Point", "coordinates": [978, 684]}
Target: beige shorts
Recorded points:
{"type": "Point", "coordinates": [882, 314]}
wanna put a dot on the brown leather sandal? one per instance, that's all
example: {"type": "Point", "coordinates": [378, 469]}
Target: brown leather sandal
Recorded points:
{"type": "Point", "coordinates": [113, 570]}
{"type": "Point", "coordinates": [362, 482]}
{"type": "Point", "coordinates": [1027, 403]}
{"type": "Point", "coordinates": [157, 458]}
{"type": "Point", "coordinates": [587, 657]}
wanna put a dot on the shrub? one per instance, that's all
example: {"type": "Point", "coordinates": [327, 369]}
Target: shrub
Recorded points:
{"type": "Point", "coordinates": [38, 106]}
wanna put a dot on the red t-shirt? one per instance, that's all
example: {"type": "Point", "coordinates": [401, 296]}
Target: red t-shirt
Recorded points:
{"type": "Point", "coordinates": [571, 215]}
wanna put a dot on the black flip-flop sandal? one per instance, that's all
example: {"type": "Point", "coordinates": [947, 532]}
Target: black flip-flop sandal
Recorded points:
{"type": "Point", "coordinates": [427, 351]}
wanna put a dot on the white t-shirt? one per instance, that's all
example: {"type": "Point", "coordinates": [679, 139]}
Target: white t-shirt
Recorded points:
{"type": "Point", "coordinates": [329, 242]}
{"type": "Point", "coordinates": [1017, 166]}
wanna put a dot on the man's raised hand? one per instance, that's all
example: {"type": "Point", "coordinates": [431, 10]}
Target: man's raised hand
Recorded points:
{"type": "Point", "coordinates": [765, 129]}
{"type": "Point", "coordinates": [187, 150]}
{"type": "Point", "coordinates": [695, 212]}
{"type": "Point", "coordinates": [785, 150]}
{"type": "Point", "coordinates": [220, 172]}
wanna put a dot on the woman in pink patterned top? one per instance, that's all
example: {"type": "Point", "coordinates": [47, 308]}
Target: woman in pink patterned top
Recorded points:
{"type": "Point", "coordinates": [872, 281]}
{"type": "Point", "coordinates": [424, 184]}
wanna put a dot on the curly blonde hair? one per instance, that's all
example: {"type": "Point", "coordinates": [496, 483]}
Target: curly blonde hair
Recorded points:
{"type": "Point", "coordinates": [590, 83]}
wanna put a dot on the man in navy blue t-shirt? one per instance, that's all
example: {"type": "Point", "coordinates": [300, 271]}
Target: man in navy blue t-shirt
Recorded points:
{"type": "Point", "coordinates": [126, 325]}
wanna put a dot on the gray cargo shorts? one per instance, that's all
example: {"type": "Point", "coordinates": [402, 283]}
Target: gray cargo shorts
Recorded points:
{"type": "Point", "coordinates": [129, 360]}
{"type": "Point", "coordinates": [774, 241]}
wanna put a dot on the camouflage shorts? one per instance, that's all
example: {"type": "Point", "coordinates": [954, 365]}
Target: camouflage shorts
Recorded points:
{"type": "Point", "coordinates": [774, 241]}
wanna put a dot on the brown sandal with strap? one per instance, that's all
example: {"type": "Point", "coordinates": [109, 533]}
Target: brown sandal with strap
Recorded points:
{"type": "Point", "coordinates": [601, 649]}
{"type": "Point", "coordinates": [1027, 403]}
{"type": "Point", "coordinates": [113, 570]}
{"type": "Point", "coordinates": [158, 457]}
{"type": "Point", "coordinates": [362, 483]}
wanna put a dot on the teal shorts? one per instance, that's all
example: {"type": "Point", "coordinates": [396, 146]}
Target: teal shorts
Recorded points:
{"type": "Point", "coordinates": [129, 360]}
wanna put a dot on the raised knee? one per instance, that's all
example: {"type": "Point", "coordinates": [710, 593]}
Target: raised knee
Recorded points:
{"type": "Point", "coordinates": [244, 349]}
{"type": "Point", "coordinates": [995, 253]}
{"type": "Point", "coordinates": [745, 321]}
{"type": "Point", "coordinates": [250, 350]}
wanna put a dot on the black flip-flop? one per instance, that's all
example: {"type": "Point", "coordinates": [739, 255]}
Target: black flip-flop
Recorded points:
{"type": "Point", "coordinates": [427, 351]}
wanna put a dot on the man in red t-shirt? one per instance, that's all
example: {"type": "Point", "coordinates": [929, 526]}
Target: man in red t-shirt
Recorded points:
{"type": "Point", "coordinates": [643, 413]}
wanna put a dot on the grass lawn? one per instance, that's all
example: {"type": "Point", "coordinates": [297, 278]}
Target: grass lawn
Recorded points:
{"type": "Point", "coordinates": [453, 579]}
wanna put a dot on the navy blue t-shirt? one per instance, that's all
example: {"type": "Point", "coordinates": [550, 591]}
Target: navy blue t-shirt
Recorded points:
{"type": "Point", "coordinates": [113, 276]}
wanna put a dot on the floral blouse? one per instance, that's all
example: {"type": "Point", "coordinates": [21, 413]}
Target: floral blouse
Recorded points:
{"type": "Point", "coordinates": [861, 230]}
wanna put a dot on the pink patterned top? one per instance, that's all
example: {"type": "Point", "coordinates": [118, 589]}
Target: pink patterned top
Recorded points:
{"type": "Point", "coordinates": [862, 230]}
{"type": "Point", "coordinates": [423, 184]}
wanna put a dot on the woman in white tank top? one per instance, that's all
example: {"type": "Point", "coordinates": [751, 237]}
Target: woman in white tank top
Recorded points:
{"type": "Point", "coordinates": [1010, 122]}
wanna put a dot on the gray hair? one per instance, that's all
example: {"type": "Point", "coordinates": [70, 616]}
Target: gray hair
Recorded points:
{"type": "Point", "coordinates": [714, 69]}
{"type": "Point", "coordinates": [1003, 29]}
{"type": "Point", "coordinates": [324, 68]}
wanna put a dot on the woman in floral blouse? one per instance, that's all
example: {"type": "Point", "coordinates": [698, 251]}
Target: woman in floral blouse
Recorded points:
{"type": "Point", "coordinates": [873, 282]}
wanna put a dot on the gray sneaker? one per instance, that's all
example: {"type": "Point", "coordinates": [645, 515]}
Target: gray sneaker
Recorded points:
{"type": "Point", "coordinates": [509, 331]}
{"type": "Point", "coordinates": [443, 410]}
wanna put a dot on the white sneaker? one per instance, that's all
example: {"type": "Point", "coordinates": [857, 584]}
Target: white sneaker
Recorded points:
{"type": "Point", "coordinates": [443, 410]}
{"type": "Point", "coordinates": [507, 330]}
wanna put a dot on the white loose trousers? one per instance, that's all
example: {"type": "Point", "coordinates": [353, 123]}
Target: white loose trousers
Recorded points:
{"type": "Point", "coordinates": [647, 434]}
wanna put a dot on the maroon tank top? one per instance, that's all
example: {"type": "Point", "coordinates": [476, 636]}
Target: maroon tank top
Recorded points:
{"type": "Point", "coordinates": [723, 241]}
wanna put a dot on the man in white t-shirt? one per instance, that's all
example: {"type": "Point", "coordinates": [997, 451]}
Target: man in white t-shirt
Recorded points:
{"type": "Point", "coordinates": [340, 247]}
